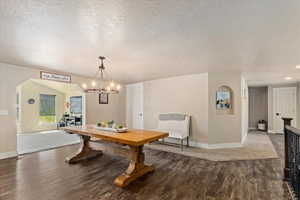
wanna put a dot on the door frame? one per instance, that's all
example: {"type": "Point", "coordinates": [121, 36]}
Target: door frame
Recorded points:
{"type": "Point", "coordinates": [295, 88]}
{"type": "Point", "coordinates": [129, 110]}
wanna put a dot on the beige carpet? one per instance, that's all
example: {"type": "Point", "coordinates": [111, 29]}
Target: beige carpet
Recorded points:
{"type": "Point", "coordinates": [256, 146]}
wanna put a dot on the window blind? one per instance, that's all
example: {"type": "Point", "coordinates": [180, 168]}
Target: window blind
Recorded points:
{"type": "Point", "coordinates": [76, 105]}
{"type": "Point", "coordinates": [47, 105]}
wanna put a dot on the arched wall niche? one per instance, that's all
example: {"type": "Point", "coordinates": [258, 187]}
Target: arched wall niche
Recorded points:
{"type": "Point", "coordinates": [224, 100]}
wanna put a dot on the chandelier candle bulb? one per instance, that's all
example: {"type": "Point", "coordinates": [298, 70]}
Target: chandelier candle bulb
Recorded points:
{"type": "Point", "coordinates": [288, 78]}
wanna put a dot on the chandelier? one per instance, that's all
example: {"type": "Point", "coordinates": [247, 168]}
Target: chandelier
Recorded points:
{"type": "Point", "coordinates": [101, 85]}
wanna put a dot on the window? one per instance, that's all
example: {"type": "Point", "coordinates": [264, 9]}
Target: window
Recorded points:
{"type": "Point", "coordinates": [47, 108]}
{"type": "Point", "coordinates": [76, 105]}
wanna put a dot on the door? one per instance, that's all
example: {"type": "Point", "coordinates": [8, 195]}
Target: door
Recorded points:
{"type": "Point", "coordinates": [134, 116]}
{"type": "Point", "coordinates": [284, 105]}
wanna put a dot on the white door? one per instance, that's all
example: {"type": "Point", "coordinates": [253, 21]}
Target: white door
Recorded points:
{"type": "Point", "coordinates": [134, 116]}
{"type": "Point", "coordinates": [284, 105]}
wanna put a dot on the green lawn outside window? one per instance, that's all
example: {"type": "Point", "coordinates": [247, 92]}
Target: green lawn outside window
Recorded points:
{"type": "Point", "coordinates": [47, 108]}
{"type": "Point", "coordinates": [48, 119]}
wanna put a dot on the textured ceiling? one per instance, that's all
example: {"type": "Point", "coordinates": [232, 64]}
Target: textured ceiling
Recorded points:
{"type": "Point", "coordinates": [148, 39]}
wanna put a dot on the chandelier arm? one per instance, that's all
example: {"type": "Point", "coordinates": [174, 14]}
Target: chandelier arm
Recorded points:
{"type": "Point", "coordinates": [109, 77]}
{"type": "Point", "coordinates": [101, 73]}
{"type": "Point", "coordinates": [96, 75]}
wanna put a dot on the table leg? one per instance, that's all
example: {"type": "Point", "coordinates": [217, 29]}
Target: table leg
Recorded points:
{"type": "Point", "coordinates": [136, 168]}
{"type": "Point", "coordinates": [85, 152]}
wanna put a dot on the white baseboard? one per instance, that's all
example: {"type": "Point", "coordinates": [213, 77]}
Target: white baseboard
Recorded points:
{"type": "Point", "coordinates": [207, 146]}
{"type": "Point", "coordinates": [216, 146]}
{"type": "Point", "coordinates": [225, 146]}
{"type": "Point", "coordinates": [8, 155]}
{"type": "Point", "coordinates": [198, 144]}
{"type": "Point", "coordinates": [270, 131]}
{"type": "Point", "coordinates": [273, 132]}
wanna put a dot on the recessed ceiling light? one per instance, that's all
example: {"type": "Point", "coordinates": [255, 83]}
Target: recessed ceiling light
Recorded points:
{"type": "Point", "coordinates": [288, 78]}
{"type": "Point", "coordinates": [298, 67]}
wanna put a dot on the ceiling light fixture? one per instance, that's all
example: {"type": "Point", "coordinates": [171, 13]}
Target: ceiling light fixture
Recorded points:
{"type": "Point", "coordinates": [107, 86]}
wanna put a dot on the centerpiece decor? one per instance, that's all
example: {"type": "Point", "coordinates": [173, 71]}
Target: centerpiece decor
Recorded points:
{"type": "Point", "coordinates": [111, 126]}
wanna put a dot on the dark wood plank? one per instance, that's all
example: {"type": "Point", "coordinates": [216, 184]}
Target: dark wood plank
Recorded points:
{"type": "Point", "coordinates": [44, 175]}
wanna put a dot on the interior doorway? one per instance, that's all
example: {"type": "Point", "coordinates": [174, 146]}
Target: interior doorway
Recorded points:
{"type": "Point", "coordinates": [268, 104]}
{"type": "Point", "coordinates": [284, 105]}
{"type": "Point", "coordinates": [42, 108]}
{"type": "Point", "coordinates": [258, 107]}
{"type": "Point", "coordinates": [135, 114]}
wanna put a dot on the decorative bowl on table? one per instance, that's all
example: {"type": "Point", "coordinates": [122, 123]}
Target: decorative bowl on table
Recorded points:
{"type": "Point", "coordinates": [111, 126]}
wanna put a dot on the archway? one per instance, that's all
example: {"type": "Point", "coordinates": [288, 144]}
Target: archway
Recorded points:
{"type": "Point", "coordinates": [44, 106]}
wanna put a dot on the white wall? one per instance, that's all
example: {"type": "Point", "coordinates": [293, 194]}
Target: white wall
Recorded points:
{"type": "Point", "coordinates": [114, 110]}
{"type": "Point", "coordinates": [183, 94]}
{"type": "Point", "coordinates": [225, 128]}
{"type": "Point", "coordinates": [196, 95]}
{"type": "Point", "coordinates": [11, 76]}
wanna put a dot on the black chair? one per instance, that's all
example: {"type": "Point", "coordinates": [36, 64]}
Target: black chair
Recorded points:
{"type": "Point", "coordinates": [78, 121]}
{"type": "Point", "coordinates": [70, 121]}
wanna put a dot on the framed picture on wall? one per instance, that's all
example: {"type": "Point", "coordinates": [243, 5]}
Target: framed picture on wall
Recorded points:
{"type": "Point", "coordinates": [223, 100]}
{"type": "Point", "coordinates": [103, 98]}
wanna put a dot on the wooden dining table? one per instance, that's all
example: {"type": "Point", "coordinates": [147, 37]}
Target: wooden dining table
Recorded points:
{"type": "Point", "coordinates": [129, 144]}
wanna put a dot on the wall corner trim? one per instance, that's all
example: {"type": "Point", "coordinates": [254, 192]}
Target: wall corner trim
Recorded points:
{"type": "Point", "coordinates": [6, 155]}
{"type": "Point", "coordinates": [244, 139]}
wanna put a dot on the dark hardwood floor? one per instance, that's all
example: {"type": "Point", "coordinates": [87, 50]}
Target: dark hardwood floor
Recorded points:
{"type": "Point", "coordinates": [45, 176]}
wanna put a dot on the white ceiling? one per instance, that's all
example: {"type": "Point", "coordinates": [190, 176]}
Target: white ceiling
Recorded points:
{"type": "Point", "coordinates": [149, 39]}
